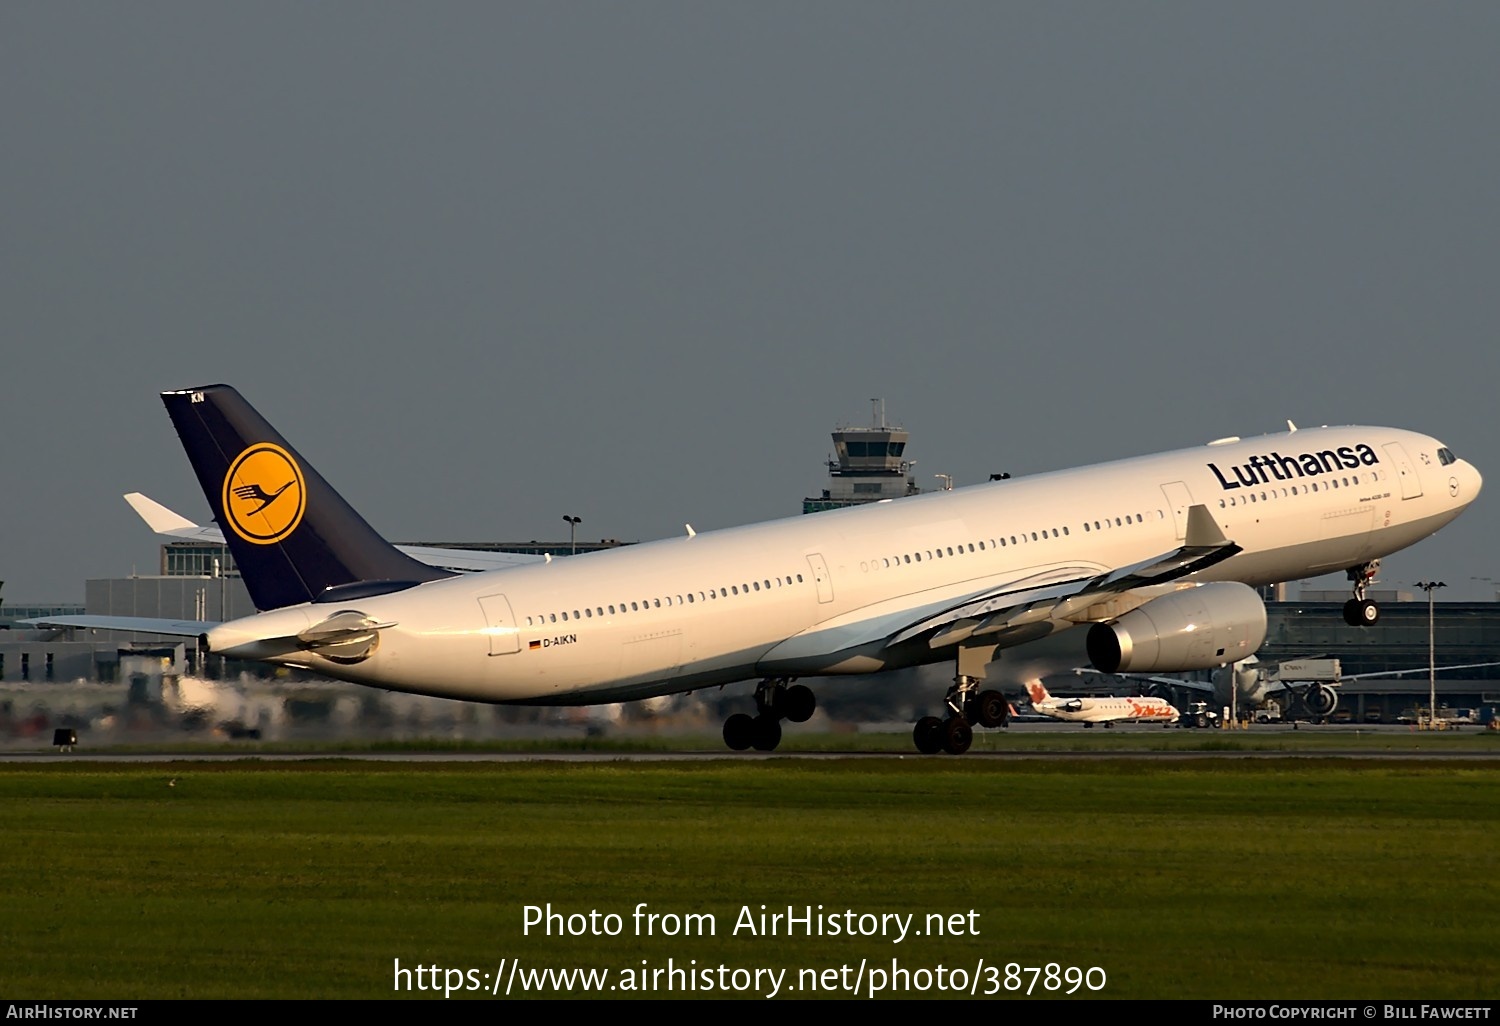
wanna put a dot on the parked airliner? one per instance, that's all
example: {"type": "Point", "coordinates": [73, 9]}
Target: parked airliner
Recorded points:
{"type": "Point", "coordinates": [1249, 685]}
{"type": "Point", "coordinates": [1156, 556]}
{"type": "Point", "coordinates": [1107, 711]}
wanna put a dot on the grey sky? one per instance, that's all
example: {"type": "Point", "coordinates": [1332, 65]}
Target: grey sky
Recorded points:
{"type": "Point", "coordinates": [486, 264]}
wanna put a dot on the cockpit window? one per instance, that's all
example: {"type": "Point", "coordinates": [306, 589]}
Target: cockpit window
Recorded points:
{"type": "Point", "coordinates": [1445, 456]}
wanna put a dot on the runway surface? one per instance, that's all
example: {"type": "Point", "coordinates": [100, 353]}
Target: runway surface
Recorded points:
{"type": "Point", "coordinates": [1064, 742]}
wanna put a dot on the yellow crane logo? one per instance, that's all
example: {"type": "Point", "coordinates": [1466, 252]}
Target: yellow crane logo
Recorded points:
{"type": "Point", "coordinates": [264, 494]}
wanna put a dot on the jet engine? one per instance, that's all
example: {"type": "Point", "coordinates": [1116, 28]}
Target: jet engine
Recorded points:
{"type": "Point", "coordinates": [1246, 684]}
{"type": "Point", "coordinates": [1192, 629]}
{"type": "Point", "coordinates": [1320, 699]}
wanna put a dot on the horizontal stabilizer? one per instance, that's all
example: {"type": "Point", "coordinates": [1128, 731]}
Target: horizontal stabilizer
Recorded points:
{"type": "Point", "coordinates": [172, 524]}
{"type": "Point", "coordinates": [144, 624]}
{"type": "Point", "coordinates": [346, 635]}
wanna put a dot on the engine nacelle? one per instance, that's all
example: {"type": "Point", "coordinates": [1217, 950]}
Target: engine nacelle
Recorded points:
{"type": "Point", "coordinates": [1321, 700]}
{"type": "Point", "coordinates": [1192, 629]}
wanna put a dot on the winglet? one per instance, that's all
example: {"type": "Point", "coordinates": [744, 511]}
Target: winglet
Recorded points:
{"type": "Point", "coordinates": [1202, 530]}
{"type": "Point", "coordinates": [157, 517]}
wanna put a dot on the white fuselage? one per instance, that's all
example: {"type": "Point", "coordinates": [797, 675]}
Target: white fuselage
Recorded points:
{"type": "Point", "coordinates": [820, 594]}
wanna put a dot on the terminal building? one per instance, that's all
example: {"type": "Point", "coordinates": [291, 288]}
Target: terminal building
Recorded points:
{"type": "Point", "coordinates": [1465, 635]}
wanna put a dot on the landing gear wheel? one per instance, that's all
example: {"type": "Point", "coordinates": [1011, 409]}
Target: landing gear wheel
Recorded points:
{"type": "Point", "coordinates": [797, 703]}
{"type": "Point", "coordinates": [1361, 611]}
{"type": "Point", "coordinates": [928, 735]}
{"type": "Point", "coordinates": [765, 733]}
{"type": "Point", "coordinates": [739, 732]}
{"type": "Point", "coordinates": [957, 735]}
{"type": "Point", "coordinates": [991, 709]}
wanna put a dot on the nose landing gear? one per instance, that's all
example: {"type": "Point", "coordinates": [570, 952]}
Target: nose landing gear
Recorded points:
{"type": "Point", "coordinates": [1361, 611]}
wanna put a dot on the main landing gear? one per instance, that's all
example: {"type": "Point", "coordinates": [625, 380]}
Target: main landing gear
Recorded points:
{"type": "Point", "coordinates": [774, 701]}
{"type": "Point", "coordinates": [1361, 611]}
{"type": "Point", "coordinates": [967, 705]}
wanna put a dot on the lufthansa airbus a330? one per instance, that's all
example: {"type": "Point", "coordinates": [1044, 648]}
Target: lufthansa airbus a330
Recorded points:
{"type": "Point", "coordinates": [1156, 557]}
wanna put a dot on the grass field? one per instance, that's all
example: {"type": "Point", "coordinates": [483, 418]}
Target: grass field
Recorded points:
{"type": "Point", "coordinates": [1188, 878]}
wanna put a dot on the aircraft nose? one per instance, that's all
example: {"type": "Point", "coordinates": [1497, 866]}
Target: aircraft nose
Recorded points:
{"type": "Point", "coordinates": [1466, 483]}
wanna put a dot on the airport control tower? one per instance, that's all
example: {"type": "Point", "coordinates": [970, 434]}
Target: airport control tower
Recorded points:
{"type": "Point", "coordinates": [868, 465]}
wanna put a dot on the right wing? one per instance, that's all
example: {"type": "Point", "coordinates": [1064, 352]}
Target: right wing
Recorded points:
{"type": "Point", "coordinates": [1380, 674]}
{"type": "Point", "coordinates": [1008, 610]}
{"type": "Point", "coordinates": [1069, 596]}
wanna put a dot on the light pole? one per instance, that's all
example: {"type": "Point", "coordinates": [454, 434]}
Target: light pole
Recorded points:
{"type": "Point", "coordinates": [573, 523]}
{"type": "Point", "coordinates": [1428, 587]}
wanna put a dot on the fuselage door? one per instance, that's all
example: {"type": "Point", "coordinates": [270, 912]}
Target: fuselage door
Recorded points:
{"type": "Point", "coordinates": [820, 576]}
{"type": "Point", "coordinates": [1178, 501]}
{"type": "Point", "coordinates": [1411, 484]}
{"type": "Point", "coordinates": [500, 625]}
